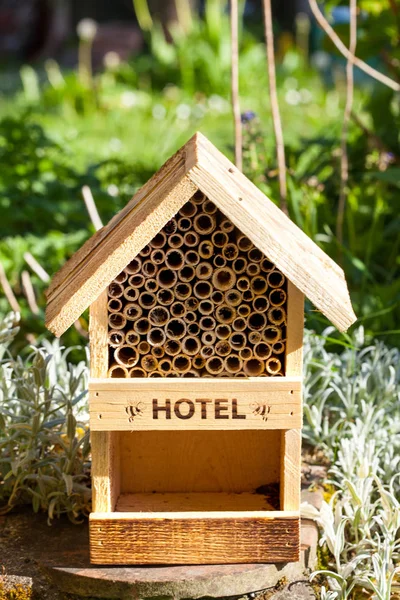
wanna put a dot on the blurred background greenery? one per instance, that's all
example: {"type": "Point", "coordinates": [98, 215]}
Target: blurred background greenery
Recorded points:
{"type": "Point", "coordinates": [104, 101]}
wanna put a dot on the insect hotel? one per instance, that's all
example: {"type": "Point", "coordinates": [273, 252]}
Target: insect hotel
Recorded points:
{"type": "Point", "coordinates": [196, 294]}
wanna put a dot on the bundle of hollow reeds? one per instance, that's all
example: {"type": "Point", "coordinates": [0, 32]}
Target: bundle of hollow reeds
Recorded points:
{"type": "Point", "coordinates": [198, 301]}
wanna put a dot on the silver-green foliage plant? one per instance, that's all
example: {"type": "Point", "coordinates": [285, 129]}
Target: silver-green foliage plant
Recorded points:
{"type": "Point", "coordinates": [44, 438]}
{"type": "Point", "coordinates": [352, 412]}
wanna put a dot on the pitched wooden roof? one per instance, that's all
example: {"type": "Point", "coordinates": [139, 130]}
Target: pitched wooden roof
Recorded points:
{"type": "Point", "coordinates": [198, 165]}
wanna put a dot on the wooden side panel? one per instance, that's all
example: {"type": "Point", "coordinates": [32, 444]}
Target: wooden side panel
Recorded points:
{"type": "Point", "coordinates": [105, 444]}
{"type": "Point", "coordinates": [190, 404]}
{"type": "Point", "coordinates": [295, 331]}
{"type": "Point", "coordinates": [126, 538]}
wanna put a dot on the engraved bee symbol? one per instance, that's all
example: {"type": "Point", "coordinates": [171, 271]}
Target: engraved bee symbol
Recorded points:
{"type": "Point", "coordinates": [134, 410]}
{"type": "Point", "coordinates": [261, 410]}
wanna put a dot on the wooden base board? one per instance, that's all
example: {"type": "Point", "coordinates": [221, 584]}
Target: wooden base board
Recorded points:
{"type": "Point", "coordinates": [170, 529]}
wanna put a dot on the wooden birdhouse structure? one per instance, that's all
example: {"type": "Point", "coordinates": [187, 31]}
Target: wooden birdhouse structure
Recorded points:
{"type": "Point", "coordinates": [196, 295]}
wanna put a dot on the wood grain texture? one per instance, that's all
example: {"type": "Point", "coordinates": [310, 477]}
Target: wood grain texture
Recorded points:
{"type": "Point", "coordinates": [290, 469]}
{"type": "Point", "coordinates": [295, 332]}
{"type": "Point", "coordinates": [190, 404]}
{"type": "Point", "coordinates": [145, 539]}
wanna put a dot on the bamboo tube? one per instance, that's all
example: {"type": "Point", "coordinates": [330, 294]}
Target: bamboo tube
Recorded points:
{"type": "Point", "coordinates": [261, 303]}
{"type": "Point", "coordinates": [126, 356]}
{"type": "Point", "coordinates": [240, 374]}
{"type": "Point", "coordinates": [190, 316]}
{"type": "Point", "coordinates": [145, 251]}
{"type": "Point", "coordinates": [176, 329]}
{"type": "Point", "coordinates": [191, 303]}
{"type": "Point", "coordinates": [144, 347]}
{"type": "Point", "coordinates": [181, 363]}
{"type": "Point", "coordinates": [184, 224]}
{"type": "Point", "coordinates": [243, 243]}
{"type": "Point", "coordinates": [158, 316]}
{"type": "Point", "coordinates": [134, 266]}
{"type": "Point", "coordinates": [239, 324]}
{"type": "Point", "coordinates": [172, 347]}
{"type": "Point", "coordinates": [151, 285]}
{"type": "Point", "coordinates": [253, 367]}
{"type": "Point", "coordinates": [193, 329]}
{"type": "Point", "coordinates": [223, 331]}
{"type": "Point", "coordinates": [206, 249]}
{"type": "Point", "coordinates": [273, 365]}
{"type": "Point", "coordinates": [258, 285]}
{"type": "Point", "coordinates": [204, 270]}
{"type": "Point", "coordinates": [117, 371]}
{"type": "Point", "coordinates": [132, 311]}
{"type": "Point", "coordinates": [243, 284]}
{"type": "Point", "coordinates": [262, 350]}
{"type": "Point", "coordinates": [172, 374]}
{"type": "Point", "coordinates": [214, 365]}
{"type": "Point", "coordinates": [225, 314]}
{"type": "Point", "coordinates": [165, 365]}
{"type": "Point", "coordinates": [116, 321]}
{"type": "Point", "coordinates": [191, 373]}
{"type": "Point", "coordinates": [243, 310]}
{"type": "Point", "coordinates": [246, 353]}
{"type": "Point", "coordinates": [208, 338]}
{"type": "Point", "coordinates": [175, 241]}
{"type": "Point", "coordinates": [239, 265]}
{"type": "Point", "coordinates": [158, 351]}
{"type": "Point", "coordinates": [149, 269]}
{"type": "Point", "coordinates": [174, 259]}
{"type": "Point", "coordinates": [132, 338]}
{"type": "Point", "coordinates": [156, 336]}
{"type": "Point", "coordinates": [277, 315]}
{"type": "Point", "coordinates": [206, 307]}
{"type": "Point", "coordinates": [254, 337]}
{"type": "Point", "coordinates": [191, 345]}
{"type": "Point", "coordinates": [189, 209]}
{"type": "Point", "coordinates": [230, 251]}
{"type": "Point", "coordinates": [165, 297]}
{"type": "Point", "coordinates": [178, 309]}
{"type": "Point", "coordinates": [116, 338]}
{"type": "Point", "coordinates": [266, 265]}
{"type": "Point", "coordinates": [136, 281]}
{"type": "Point", "coordinates": [248, 296]}
{"type": "Point", "coordinates": [219, 261]}
{"type": "Point", "coordinates": [155, 374]}
{"type": "Point", "coordinates": [186, 274]}
{"type": "Point", "coordinates": [275, 279]}
{"type": "Point", "coordinates": [224, 279]}
{"type": "Point", "coordinates": [222, 348]}
{"type": "Point", "coordinates": [122, 277]}
{"type": "Point", "coordinates": [272, 334]}
{"type": "Point", "coordinates": [115, 290]}
{"type": "Point", "coordinates": [192, 258]}
{"type": "Point", "coordinates": [183, 291]}
{"type": "Point", "coordinates": [198, 362]}
{"type": "Point", "coordinates": [131, 294]}
{"type": "Point", "coordinates": [253, 269]}
{"type": "Point", "coordinates": [237, 340]}
{"type": "Point", "coordinates": [217, 297]}
{"type": "Point", "coordinates": [233, 297]}
{"type": "Point", "coordinates": [233, 364]}
{"type": "Point", "coordinates": [147, 300]}
{"type": "Point", "coordinates": [278, 348]}
{"type": "Point", "coordinates": [209, 207]}
{"type": "Point", "coordinates": [158, 256]}
{"type": "Point", "coordinates": [202, 289]}
{"type": "Point", "coordinates": [171, 227]}
{"type": "Point", "coordinates": [227, 226]}
{"type": "Point", "coordinates": [191, 239]}
{"type": "Point", "coordinates": [207, 351]}
{"type": "Point", "coordinates": [219, 238]}
{"type": "Point", "coordinates": [149, 363]}
{"type": "Point", "coordinates": [159, 240]}
{"type": "Point", "coordinates": [207, 323]}
{"type": "Point", "coordinates": [198, 197]}
{"type": "Point", "coordinates": [137, 372]}
{"type": "Point", "coordinates": [166, 278]}
{"type": "Point", "coordinates": [255, 255]}
{"type": "Point", "coordinates": [142, 326]}
{"type": "Point", "coordinates": [204, 224]}
{"type": "Point", "coordinates": [114, 305]}
{"type": "Point", "coordinates": [277, 297]}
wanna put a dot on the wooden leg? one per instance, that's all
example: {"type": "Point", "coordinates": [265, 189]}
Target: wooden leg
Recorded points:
{"type": "Point", "coordinates": [290, 469]}
{"type": "Point", "coordinates": [105, 470]}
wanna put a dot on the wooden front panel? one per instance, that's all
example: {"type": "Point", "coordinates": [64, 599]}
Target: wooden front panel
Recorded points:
{"type": "Point", "coordinates": [207, 404]}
